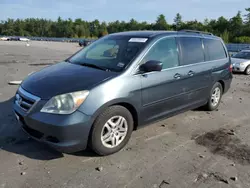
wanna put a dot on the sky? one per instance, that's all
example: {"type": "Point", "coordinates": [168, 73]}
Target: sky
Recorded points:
{"type": "Point", "coordinates": [111, 10]}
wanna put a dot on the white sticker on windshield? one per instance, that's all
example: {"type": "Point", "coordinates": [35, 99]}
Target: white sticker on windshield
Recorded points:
{"type": "Point", "coordinates": [138, 40]}
{"type": "Point", "coordinates": [120, 64]}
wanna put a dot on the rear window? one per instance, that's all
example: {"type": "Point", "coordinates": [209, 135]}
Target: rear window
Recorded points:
{"type": "Point", "coordinates": [192, 50]}
{"type": "Point", "coordinates": [214, 49]}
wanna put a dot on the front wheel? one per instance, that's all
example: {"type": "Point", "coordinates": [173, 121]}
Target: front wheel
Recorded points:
{"type": "Point", "coordinates": [247, 71]}
{"type": "Point", "coordinates": [215, 97]}
{"type": "Point", "coordinates": [111, 130]}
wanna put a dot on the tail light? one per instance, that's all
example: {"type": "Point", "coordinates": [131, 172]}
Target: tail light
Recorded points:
{"type": "Point", "coordinates": [231, 68]}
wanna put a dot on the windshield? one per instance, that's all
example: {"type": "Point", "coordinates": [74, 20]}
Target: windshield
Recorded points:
{"type": "Point", "coordinates": [112, 53]}
{"type": "Point", "coordinates": [242, 55]}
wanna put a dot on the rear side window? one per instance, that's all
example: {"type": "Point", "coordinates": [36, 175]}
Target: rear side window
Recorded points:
{"type": "Point", "coordinates": [192, 50]}
{"type": "Point", "coordinates": [214, 49]}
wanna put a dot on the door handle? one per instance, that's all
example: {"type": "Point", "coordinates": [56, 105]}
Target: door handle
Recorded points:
{"type": "Point", "coordinates": [177, 76]}
{"type": "Point", "coordinates": [190, 73]}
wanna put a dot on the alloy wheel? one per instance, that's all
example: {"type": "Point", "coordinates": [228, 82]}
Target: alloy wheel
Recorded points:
{"type": "Point", "coordinates": [114, 131]}
{"type": "Point", "coordinates": [216, 95]}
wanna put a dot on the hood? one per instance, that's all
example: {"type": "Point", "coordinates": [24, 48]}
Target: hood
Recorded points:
{"type": "Point", "coordinates": [63, 78]}
{"type": "Point", "coordinates": [238, 60]}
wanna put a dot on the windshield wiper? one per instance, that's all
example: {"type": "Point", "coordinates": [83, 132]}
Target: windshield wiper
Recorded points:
{"type": "Point", "coordinates": [67, 60]}
{"type": "Point", "coordinates": [89, 65]}
{"type": "Point", "coordinates": [93, 66]}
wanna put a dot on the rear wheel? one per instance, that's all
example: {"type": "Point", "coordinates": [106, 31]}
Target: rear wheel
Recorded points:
{"type": "Point", "coordinates": [247, 71]}
{"type": "Point", "coordinates": [111, 130]}
{"type": "Point", "coordinates": [215, 97]}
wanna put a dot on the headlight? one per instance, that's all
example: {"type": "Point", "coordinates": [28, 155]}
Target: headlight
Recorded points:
{"type": "Point", "coordinates": [65, 103]}
{"type": "Point", "coordinates": [242, 64]}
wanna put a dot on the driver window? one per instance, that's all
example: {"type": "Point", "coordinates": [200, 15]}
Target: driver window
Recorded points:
{"type": "Point", "coordinates": [104, 51]}
{"type": "Point", "coordinates": [165, 51]}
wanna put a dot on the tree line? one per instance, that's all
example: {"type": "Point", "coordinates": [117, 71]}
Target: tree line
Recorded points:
{"type": "Point", "coordinates": [235, 29]}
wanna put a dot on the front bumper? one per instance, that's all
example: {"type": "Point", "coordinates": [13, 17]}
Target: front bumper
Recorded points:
{"type": "Point", "coordinates": [66, 133]}
{"type": "Point", "coordinates": [238, 68]}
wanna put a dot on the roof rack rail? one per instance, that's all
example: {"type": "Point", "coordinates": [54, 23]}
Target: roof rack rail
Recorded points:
{"type": "Point", "coordinates": [195, 31]}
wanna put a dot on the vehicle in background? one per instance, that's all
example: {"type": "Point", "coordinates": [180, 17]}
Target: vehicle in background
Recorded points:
{"type": "Point", "coordinates": [14, 39]}
{"type": "Point", "coordinates": [18, 39]}
{"type": "Point", "coordinates": [4, 38]}
{"type": "Point", "coordinates": [24, 39]}
{"type": "Point", "coordinates": [237, 47]}
{"type": "Point", "coordinates": [246, 48]}
{"type": "Point", "coordinates": [241, 62]}
{"type": "Point", "coordinates": [121, 82]}
{"type": "Point", "coordinates": [84, 43]}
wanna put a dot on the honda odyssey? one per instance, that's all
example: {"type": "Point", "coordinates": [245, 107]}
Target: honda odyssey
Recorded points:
{"type": "Point", "coordinates": [119, 83]}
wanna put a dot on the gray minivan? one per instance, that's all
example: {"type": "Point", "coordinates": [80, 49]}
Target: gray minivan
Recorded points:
{"type": "Point", "coordinates": [119, 83]}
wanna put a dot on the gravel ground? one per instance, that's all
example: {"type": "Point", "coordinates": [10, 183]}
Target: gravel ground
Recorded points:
{"type": "Point", "coordinates": [193, 149]}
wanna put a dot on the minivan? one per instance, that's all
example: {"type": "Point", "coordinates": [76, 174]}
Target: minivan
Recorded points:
{"type": "Point", "coordinates": [119, 83]}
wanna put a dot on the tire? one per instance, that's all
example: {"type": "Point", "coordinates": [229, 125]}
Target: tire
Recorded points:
{"type": "Point", "coordinates": [101, 130]}
{"type": "Point", "coordinates": [247, 71]}
{"type": "Point", "coordinates": [212, 104]}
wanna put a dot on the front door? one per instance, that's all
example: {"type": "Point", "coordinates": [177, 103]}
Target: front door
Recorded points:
{"type": "Point", "coordinates": [163, 92]}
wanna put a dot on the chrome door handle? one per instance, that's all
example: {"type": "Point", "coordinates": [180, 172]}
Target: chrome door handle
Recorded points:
{"type": "Point", "coordinates": [177, 76]}
{"type": "Point", "coordinates": [190, 73]}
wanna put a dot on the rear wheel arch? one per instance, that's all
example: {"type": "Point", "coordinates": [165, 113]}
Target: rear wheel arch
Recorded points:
{"type": "Point", "coordinates": [222, 84]}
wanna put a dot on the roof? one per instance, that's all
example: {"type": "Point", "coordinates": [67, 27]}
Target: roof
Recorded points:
{"type": "Point", "coordinates": [142, 33]}
{"type": "Point", "coordinates": [150, 34]}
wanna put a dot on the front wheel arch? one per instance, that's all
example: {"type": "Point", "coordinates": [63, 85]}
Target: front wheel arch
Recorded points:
{"type": "Point", "coordinates": [120, 102]}
{"type": "Point", "coordinates": [246, 70]}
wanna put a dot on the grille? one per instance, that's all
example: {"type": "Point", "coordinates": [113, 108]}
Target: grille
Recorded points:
{"type": "Point", "coordinates": [25, 100]}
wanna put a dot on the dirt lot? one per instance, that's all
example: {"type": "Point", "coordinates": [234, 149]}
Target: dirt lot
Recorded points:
{"type": "Point", "coordinates": [193, 149]}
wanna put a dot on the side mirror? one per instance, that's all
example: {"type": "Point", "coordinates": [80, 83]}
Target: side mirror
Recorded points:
{"type": "Point", "coordinates": [151, 66]}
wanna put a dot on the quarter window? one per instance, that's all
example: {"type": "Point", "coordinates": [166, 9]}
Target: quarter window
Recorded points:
{"type": "Point", "coordinates": [215, 49]}
{"type": "Point", "coordinates": [192, 50]}
{"type": "Point", "coordinates": [165, 51]}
